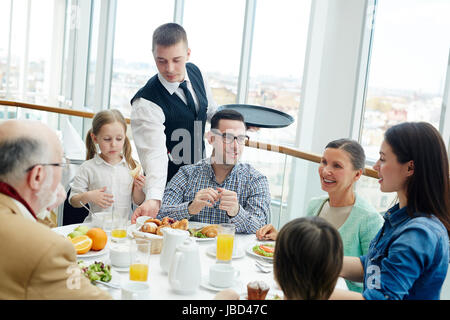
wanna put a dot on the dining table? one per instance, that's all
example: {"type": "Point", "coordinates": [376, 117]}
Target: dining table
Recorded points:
{"type": "Point", "coordinates": [243, 260]}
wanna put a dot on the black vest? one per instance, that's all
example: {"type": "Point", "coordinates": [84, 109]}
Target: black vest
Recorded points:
{"type": "Point", "coordinates": [184, 131]}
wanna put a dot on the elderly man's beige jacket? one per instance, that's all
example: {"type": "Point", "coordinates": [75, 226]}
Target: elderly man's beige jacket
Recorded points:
{"type": "Point", "coordinates": [36, 262]}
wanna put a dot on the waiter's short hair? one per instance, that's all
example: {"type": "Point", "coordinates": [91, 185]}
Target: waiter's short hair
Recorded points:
{"type": "Point", "coordinates": [226, 114]}
{"type": "Point", "coordinates": [168, 35]}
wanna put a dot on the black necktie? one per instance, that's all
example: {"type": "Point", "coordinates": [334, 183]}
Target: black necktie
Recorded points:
{"type": "Point", "coordinates": [188, 95]}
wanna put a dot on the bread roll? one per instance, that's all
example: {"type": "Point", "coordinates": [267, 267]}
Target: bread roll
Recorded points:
{"type": "Point", "coordinates": [182, 225]}
{"type": "Point", "coordinates": [149, 227]}
{"type": "Point", "coordinates": [155, 221]}
{"type": "Point", "coordinates": [210, 231]}
{"type": "Point", "coordinates": [136, 171]}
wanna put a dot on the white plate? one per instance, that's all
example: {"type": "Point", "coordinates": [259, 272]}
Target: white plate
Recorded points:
{"type": "Point", "coordinates": [237, 254]}
{"type": "Point", "coordinates": [134, 232]}
{"type": "Point", "coordinates": [204, 239]}
{"type": "Point", "coordinates": [65, 230]}
{"type": "Point", "coordinates": [250, 250]}
{"type": "Point", "coordinates": [205, 284]}
{"type": "Point", "coordinates": [92, 253]}
{"type": "Point", "coordinates": [197, 225]}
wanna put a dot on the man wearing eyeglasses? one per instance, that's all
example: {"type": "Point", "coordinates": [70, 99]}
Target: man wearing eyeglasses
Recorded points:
{"type": "Point", "coordinates": [220, 189]}
{"type": "Point", "coordinates": [39, 190]}
{"type": "Point", "coordinates": [36, 262]}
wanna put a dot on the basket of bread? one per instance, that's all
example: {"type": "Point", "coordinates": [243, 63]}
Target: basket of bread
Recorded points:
{"type": "Point", "coordinates": [151, 229]}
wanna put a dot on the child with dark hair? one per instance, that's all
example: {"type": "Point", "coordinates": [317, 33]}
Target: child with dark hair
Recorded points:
{"type": "Point", "coordinates": [307, 260]}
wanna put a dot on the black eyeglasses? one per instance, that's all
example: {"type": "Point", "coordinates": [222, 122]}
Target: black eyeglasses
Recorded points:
{"type": "Point", "coordinates": [64, 164]}
{"type": "Point", "coordinates": [229, 138]}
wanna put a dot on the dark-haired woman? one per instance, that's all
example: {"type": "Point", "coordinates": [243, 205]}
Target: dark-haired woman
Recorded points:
{"type": "Point", "coordinates": [408, 258]}
{"type": "Point", "coordinates": [357, 221]}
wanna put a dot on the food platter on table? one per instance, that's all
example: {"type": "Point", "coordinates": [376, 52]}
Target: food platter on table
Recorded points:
{"type": "Point", "coordinates": [263, 250]}
{"type": "Point", "coordinates": [100, 272]}
{"type": "Point", "coordinates": [132, 230]}
{"type": "Point", "coordinates": [152, 228]}
{"type": "Point", "coordinates": [68, 232]}
{"type": "Point", "coordinates": [199, 227]}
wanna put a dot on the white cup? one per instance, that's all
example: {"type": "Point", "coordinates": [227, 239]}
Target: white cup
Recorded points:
{"type": "Point", "coordinates": [132, 290]}
{"type": "Point", "coordinates": [222, 275]}
{"type": "Point", "coordinates": [119, 255]}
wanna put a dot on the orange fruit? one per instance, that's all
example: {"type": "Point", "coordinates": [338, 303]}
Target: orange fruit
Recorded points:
{"type": "Point", "coordinates": [82, 244]}
{"type": "Point", "coordinates": [99, 238]}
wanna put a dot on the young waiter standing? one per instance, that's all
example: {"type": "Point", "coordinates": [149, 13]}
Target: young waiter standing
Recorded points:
{"type": "Point", "coordinates": [169, 114]}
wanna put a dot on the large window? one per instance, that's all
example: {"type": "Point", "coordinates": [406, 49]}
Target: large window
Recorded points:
{"type": "Point", "coordinates": [214, 29]}
{"type": "Point", "coordinates": [133, 62]}
{"type": "Point", "coordinates": [275, 81]}
{"type": "Point", "coordinates": [408, 66]}
{"type": "Point", "coordinates": [25, 49]}
{"type": "Point", "coordinates": [4, 39]}
{"type": "Point", "coordinates": [278, 57]}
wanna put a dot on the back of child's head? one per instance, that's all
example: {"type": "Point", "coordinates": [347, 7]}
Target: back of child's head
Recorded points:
{"type": "Point", "coordinates": [107, 117]}
{"type": "Point", "coordinates": [308, 258]}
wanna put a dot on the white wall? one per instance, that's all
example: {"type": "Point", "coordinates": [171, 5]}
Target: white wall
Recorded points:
{"type": "Point", "coordinates": [327, 106]}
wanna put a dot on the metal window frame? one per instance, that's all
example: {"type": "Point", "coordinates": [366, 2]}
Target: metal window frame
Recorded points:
{"type": "Point", "coordinates": [246, 51]}
{"type": "Point", "coordinates": [360, 92]}
{"type": "Point", "coordinates": [178, 11]}
{"type": "Point", "coordinates": [444, 123]}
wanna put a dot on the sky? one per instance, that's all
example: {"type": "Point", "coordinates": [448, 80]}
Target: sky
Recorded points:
{"type": "Point", "coordinates": [411, 45]}
{"type": "Point", "coordinates": [410, 48]}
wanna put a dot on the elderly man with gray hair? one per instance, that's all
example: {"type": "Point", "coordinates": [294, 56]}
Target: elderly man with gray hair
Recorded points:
{"type": "Point", "coordinates": [36, 262]}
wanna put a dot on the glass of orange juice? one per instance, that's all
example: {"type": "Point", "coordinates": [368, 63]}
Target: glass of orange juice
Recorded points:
{"type": "Point", "coordinates": [119, 223]}
{"type": "Point", "coordinates": [140, 258]}
{"type": "Point", "coordinates": [225, 242]}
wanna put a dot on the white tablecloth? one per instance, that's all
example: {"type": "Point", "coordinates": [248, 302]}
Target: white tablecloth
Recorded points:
{"type": "Point", "coordinates": [159, 285]}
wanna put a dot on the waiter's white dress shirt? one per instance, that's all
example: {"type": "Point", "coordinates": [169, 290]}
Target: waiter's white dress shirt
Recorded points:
{"type": "Point", "coordinates": [147, 125]}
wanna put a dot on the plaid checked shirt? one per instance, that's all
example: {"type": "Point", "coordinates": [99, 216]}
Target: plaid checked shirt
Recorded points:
{"type": "Point", "coordinates": [251, 187]}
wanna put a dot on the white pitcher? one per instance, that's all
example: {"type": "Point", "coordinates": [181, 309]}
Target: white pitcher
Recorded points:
{"type": "Point", "coordinates": [185, 272]}
{"type": "Point", "coordinates": [171, 238]}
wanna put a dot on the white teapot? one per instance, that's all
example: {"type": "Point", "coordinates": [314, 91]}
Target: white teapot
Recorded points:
{"type": "Point", "coordinates": [185, 271]}
{"type": "Point", "coordinates": [171, 238]}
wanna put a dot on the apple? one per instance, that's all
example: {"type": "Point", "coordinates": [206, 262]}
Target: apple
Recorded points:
{"type": "Point", "coordinates": [82, 229]}
{"type": "Point", "coordinates": [74, 234]}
